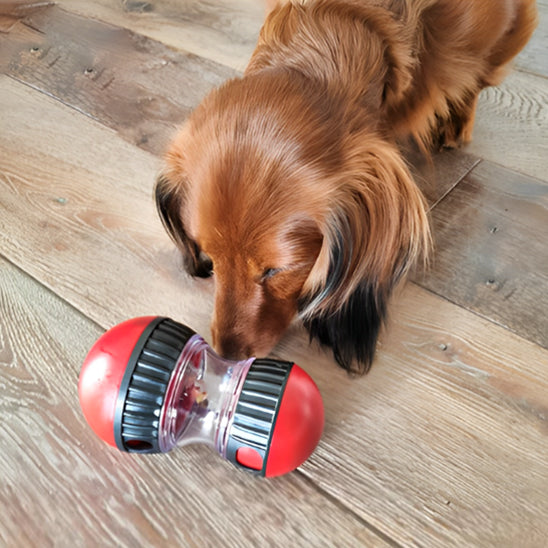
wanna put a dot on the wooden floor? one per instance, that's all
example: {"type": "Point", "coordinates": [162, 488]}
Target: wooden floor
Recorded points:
{"type": "Point", "coordinates": [444, 443]}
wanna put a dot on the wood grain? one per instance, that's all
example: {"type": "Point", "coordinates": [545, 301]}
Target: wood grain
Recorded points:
{"type": "Point", "coordinates": [534, 58]}
{"type": "Point", "coordinates": [444, 443]}
{"type": "Point", "coordinates": [225, 32]}
{"type": "Point", "coordinates": [20, 8]}
{"type": "Point", "coordinates": [133, 84]}
{"type": "Point", "coordinates": [61, 486]}
{"type": "Point", "coordinates": [490, 240]}
{"type": "Point", "coordinates": [512, 125]}
{"type": "Point", "coordinates": [13, 10]}
{"type": "Point", "coordinates": [86, 196]}
{"type": "Point", "coordinates": [438, 175]}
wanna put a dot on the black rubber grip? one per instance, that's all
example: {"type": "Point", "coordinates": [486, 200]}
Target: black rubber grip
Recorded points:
{"type": "Point", "coordinates": [144, 385]}
{"type": "Point", "coordinates": [257, 409]}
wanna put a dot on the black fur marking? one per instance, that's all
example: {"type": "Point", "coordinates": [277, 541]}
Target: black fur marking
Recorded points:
{"type": "Point", "coordinates": [168, 204]}
{"type": "Point", "coordinates": [353, 330]}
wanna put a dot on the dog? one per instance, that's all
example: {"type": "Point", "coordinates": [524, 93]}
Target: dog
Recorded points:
{"type": "Point", "coordinates": [288, 184]}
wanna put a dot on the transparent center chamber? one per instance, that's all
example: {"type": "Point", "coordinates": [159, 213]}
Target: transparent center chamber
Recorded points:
{"type": "Point", "coordinates": [201, 398]}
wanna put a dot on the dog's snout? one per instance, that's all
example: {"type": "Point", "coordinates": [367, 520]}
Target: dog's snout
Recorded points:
{"type": "Point", "coordinates": [231, 347]}
{"type": "Point", "coordinates": [231, 350]}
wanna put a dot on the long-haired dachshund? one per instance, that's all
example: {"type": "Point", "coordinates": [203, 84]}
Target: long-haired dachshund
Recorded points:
{"type": "Point", "coordinates": [288, 184]}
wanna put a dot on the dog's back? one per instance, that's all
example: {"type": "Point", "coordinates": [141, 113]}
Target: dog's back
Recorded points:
{"type": "Point", "coordinates": [422, 61]}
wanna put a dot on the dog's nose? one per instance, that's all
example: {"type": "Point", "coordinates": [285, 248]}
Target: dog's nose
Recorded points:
{"type": "Point", "coordinates": [231, 347]}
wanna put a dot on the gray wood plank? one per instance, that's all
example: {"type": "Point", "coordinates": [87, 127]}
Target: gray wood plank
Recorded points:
{"type": "Point", "coordinates": [511, 126]}
{"type": "Point", "coordinates": [439, 173]}
{"type": "Point", "coordinates": [85, 180]}
{"type": "Point", "coordinates": [62, 486]}
{"type": "Point", "coordinates": [491, 249]}
{"type": "Point", "coordinates": [225, 32]}
{"type": "Point", "coordinates": [11, 11]}
{"type": "Point", "coordinates": [133, 84]}
{"type": "Point", "coordinates": [534, 58]}
{"type": "Point", "coordinates": [445, 440]}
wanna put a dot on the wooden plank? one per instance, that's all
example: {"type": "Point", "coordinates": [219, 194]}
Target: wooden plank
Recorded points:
{"type": "Point", "coordinates": [13, 10]}
{"type": "Point", "coordinates": [141, 89]}
{"type": "Point", "coordinates": [534, 58]}
{"type": "Point", "coordinates": [131, 83]}
{"type": "Point", "coordinates": [86, 182]}
{"type": "Point", "coordinates": [444, 443]}
{"type": "Point", "coordinates": [440, 173]}
{"type": "Point", "coordinates": [491, 251]}
{"type": "Point", "coordinates": [61, 486]}
{"type": "Point", "coordinates": [512, 125]}
{"type": "Point", "coordinates": [225, 32]}
{"type": "Point", "coordinates": [20, 8]}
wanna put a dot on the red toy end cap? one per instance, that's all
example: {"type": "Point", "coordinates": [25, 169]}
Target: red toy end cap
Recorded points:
{"type": "Point", "coordinates": [299, 424]}
{"type": "Point", "coordinates": [102, 372]}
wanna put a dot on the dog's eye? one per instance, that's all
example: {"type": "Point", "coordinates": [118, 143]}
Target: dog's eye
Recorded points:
{"type": "Point", "coordinates": [206, 264]}
{"type": "Point", "coordinates": [269, 272]}
{"type": "Point", "coordinates": [201, 265]}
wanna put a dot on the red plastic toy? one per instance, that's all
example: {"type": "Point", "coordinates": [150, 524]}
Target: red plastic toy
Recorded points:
{"type": "Point", "coordinates": [150, 384]}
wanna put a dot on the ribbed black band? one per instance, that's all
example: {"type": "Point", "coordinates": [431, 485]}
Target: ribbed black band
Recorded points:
{"type": "Point", "coordinates": [257, 409]}
{"type": "Point", "coordinates": [144, 385]}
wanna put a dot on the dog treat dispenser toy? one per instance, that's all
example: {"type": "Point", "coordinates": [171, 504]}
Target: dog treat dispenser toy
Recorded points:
{"type": "Point", "coordinates": [150, 384]}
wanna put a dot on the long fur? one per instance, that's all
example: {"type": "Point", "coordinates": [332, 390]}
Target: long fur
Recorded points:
{"type": "Point", "coordinates": [288, 183]}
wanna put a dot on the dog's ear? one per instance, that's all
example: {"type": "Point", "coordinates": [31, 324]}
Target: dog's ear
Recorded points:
{"type": "Point", "coordinates": [376, 231]}
{"type": "Point", "coordinates": [169, 201]}
{"type": "Point", "coordinates": [350, 330]}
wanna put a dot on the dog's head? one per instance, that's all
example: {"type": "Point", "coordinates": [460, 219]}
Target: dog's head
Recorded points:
{"type": "Point", "coordinates": [268, 190]}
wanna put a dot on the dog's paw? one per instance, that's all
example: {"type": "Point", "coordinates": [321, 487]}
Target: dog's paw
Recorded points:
{"type": "Point", "coordinates": [455, 131]}
{"type": "Point", "coordinates": [454, 134]}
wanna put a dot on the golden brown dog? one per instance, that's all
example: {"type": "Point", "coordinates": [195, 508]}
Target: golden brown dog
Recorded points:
{"type": "Point", "coordinates": [287, 183]}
